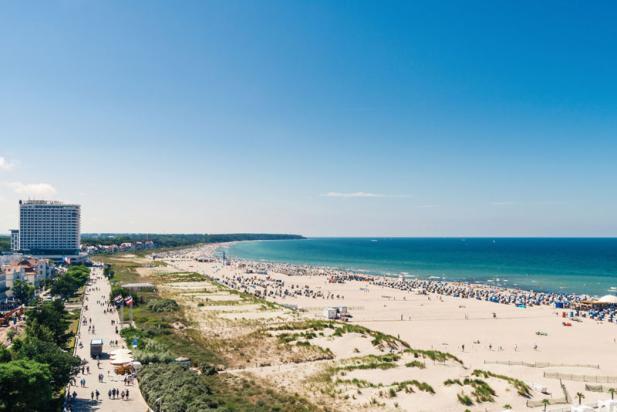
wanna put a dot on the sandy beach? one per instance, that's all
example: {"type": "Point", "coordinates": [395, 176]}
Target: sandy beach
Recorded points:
{"type": "Point", "coordinates": [530, 344]}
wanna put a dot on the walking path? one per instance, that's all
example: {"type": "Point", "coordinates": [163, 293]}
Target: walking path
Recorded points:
{"type": "Point", "coordinates": [98, 315]}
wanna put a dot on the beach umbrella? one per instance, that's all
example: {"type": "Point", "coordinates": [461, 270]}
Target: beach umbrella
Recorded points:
{"type": "Point", "coordinates": [608, 299]}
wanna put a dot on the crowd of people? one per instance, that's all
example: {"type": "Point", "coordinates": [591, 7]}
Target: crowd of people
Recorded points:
{"type": "Point", "coordinates": [267, 287]}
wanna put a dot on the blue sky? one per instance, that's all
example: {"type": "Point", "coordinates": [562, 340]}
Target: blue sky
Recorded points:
{"type": "Point", "coordinates": [314, 117]}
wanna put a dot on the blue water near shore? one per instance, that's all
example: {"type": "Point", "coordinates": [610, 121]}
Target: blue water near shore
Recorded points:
{"type": "Point", "coordinates": [579, 265]}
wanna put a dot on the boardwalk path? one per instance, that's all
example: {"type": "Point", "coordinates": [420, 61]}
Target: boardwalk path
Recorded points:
{"type": "Point", "coordinates": [99, 289]}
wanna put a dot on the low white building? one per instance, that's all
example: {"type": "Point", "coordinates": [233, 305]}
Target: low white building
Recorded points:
{"type": "Point", "coordinates": [34, 271]}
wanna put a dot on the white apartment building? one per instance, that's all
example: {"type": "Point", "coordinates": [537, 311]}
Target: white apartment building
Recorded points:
{"type": "Point", "coordinates": [47, 228]}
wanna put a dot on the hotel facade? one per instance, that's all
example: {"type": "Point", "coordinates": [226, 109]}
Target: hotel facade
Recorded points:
{"type": "Point", "coordinates": [47, 228]}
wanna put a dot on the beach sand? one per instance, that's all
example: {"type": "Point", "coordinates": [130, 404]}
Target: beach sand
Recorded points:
{"type": "Point", "coordinates": [446, 323]}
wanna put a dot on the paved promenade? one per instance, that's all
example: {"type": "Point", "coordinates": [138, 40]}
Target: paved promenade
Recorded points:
{"type": "Point", "coordinates": [96, 298]}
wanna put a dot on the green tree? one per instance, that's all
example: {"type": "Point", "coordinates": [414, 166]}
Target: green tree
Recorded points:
{"type": "Point", "coordinates": [612, 392]}
{"type": "Point", "coordinates": [67, 284]}
{"type": "Point", "coordinates": [24, 386]}
{"type": "Point", "coordinates": [580, 397]}
{"type": "Point", "coordinates": [46, 321]}
{"type": "Point", "coordinates": [23, 292]}
{"type": "Point", "coordinates": [62, 364]}
{"type": "Point", "coordinates": [64, 286]}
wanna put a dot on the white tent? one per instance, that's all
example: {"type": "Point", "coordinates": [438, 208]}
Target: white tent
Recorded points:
{"type": "Point", "coordinates": [607, 405]}
{"type": "Point", "coordinates": [581, 408]}
{"type": "Point", "coordinates": [120, 352]}
{"type": "Point", "coordinates": [608, 299]}
{"type": "Point", "coordinates": [121, 360]}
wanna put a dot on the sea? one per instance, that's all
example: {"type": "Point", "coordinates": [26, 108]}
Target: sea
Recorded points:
{"type": "Point", "coordinates": [567, 265]}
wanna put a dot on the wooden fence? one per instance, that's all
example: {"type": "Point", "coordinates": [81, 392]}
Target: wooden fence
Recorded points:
{"type": "Point", "coordinates": [580, 378]}
{"type": "Point", "coordinates": [543, 364]}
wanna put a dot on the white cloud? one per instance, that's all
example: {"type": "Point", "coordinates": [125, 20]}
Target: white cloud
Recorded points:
{"type": "Point", "coordinates": [349, 195]}
{"type": "Point", "coordinates": [35, 190]}
{"type": "Point", "coordinates": [5, 164]}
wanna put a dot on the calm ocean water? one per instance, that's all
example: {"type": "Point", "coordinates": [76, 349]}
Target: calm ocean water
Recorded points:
{"type": "Point", "coordinates": [580, 265]}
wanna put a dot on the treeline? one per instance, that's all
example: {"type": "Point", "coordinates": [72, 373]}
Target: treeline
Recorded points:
{"type": "Point", "coordinates": [39, 364]}
{"type": "Point", "coordinates": [177, 240]}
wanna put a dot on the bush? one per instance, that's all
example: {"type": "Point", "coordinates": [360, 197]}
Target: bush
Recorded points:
{"type": "Point", "coordinates": [182, 390]}
{"type": "Point", "coordinates": [415, 364]}
{"type": "Point", "coordinates": [163, 305]}
{"type": "Point", "coordinates": [464, 399]}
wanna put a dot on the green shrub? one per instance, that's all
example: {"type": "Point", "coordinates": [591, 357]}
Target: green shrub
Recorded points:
{"type": "Point", "coordinates": [163, 305]}
{"type": "Point", "coordinates": [180, 389]}
{"type": "Point", "coordinates": [415, 364]}
{"type": "Point", "coordinates": [521, 387]}
{"type": "Point", "coordinates": [464, 399]}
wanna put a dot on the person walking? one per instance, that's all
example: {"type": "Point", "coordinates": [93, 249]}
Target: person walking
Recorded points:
{"type": "Point", "coordinates": [97, 395]}
{"type": "Point", "coordinates": [127, 395]}
{"type": "Point", "coordinates": [92, 396]}
{"type": "Point", "coordinates": [109, 393]}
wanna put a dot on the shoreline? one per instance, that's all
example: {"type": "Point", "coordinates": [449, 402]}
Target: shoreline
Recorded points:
{"type": "Point", "coordinates": [494, 280]}
{"type": "Point", "coordinates": [406, 276]}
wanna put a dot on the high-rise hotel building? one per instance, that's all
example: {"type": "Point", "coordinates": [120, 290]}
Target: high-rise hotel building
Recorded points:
{"type": "Point", "coordinates": [47, 228]}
